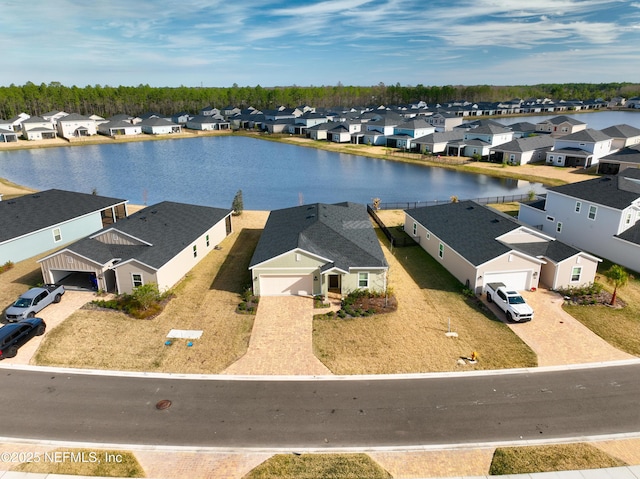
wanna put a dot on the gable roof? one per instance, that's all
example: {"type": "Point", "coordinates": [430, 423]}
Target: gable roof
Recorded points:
{"type": "Point", "coordinates": [614, 191]}
{"type": "Point", "coordinates": [587, 135]}
{"type": "Point", "coordinates": [621, 131]}
{"type": "Point", "coordinates": [526, 144]}
{"type": "Point", "coordinates": [469, 228]}
{"type": "Point", "coordinates": [167, 228]}
{"type": "Point", "coordinates": [562, 119]}
{"type": "Point", "coordinates": [342, 233]}
{"type": "Point", "coordinates": [626, 155]}
{"type": "Point", "coordinates": [29, 213]}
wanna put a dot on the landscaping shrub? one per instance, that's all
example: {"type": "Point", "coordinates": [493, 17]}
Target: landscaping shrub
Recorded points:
{"type": "Point", "coordinates": [6, 267]}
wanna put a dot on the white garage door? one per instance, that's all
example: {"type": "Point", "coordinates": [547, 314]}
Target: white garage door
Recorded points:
{"type": "Point", "coordinates": [518, 280]}
{"type": "Point", "coordinates": [285, 285]}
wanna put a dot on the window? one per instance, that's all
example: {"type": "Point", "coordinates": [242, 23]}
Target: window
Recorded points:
{"type": "Point", "coordinates": [57, 235]}
{"type": "Point", "coordinates": [559, 227]}
{"type": "Point", "coordinates": [415, 229]}
{"type": "Point", "coordinates": [550, 218]}
{"type": "Point", "coordinates": [136, 279]}
{"type": "Point", "coordinates": [627, 220]}
{"type": "Point", "coordinates": [575, 274]}
{"type": "Point", "coordinates": [593, 210]}
{"type": "Point", "coordinates": [441, 250]}
{"type": "Point", "coordinates": [578, 206]}
{"type": "Point", "coordinates": [428, 235]}
{"type": "Point", "coordinates": [207, 238]}
{"type": "Point", "coordinates": [195, 251]}
{"type": "Point", "coordinates": [363, 280]}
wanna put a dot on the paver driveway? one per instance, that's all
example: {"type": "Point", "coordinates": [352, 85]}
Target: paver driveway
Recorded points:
{"type": "Point", "coordinates": [281, 341]}
{"type": "Point", "coordinates": [556, 336]}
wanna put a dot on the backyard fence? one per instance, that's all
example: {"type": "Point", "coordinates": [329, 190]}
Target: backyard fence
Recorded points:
{"type": "Point", "coordinates": [407, 205]}
{"type": "Point", "coordinates": [396, 241]}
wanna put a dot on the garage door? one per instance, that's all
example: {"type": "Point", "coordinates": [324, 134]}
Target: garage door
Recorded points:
{"type": "Point", "coordinates": [285, 285]}
{"type": "Point", "coordinates": [518, 280]}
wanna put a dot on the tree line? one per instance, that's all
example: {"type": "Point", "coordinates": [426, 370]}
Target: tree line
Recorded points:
{"type": "Point", "coordinates": [107, 101]}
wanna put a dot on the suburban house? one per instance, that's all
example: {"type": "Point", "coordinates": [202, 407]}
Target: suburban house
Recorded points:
{"type": "Point", "coordinates": [405, 133]}
{"type": "Point", "coordinates": [54, 116]}
{"type": "Point", "coordinates": [74, 125]}
{"type": "Point", "coordinates": [622, 136]}
{"type": "Point", "coordinates": [560, 126]}
{"type": "Point", "coordinates": [522, 129]}
{"type": "Point", "coordinates": [17, 120]}
{"type": "Point", "coordinates": [584, 148]}
{"type": "Point", "coordinates": [522, 150]}
{"type": "Point", "coordinates": [480, 140]}
{"type": "Point", "coordinates": [318, 249]}
{"type": "Point", "coordinates": [119, 128]}
{"type": "Point", "coordinates": [39, 222]}
{"type": "Point", "coordinates": [37, 128]}
{"type": "Point", "coordinates": [601, 216]}
{"type": "Point", "coordinates": [207, 123]}
{"type": "Point", "coordinates": [305, 121]}
{"type": "Point", "coordinates": [443, 121]}
{"type": "Point", "coordinates": [181, 118]}
{"type": "Point", "coordinates": [438, 142]}
{"type": "Point", "coordinates": [479, 245]}
{"type": "Point", "coordinates": [158, 244]}
{"type": "Point", "coordinates": [8, 136]}
{"type": "Point", "coordinates": [620, 160]}
{"type": "Point", "coordinates": [159, 126]}
{"type": "Point", "coordinates": [376, 131]}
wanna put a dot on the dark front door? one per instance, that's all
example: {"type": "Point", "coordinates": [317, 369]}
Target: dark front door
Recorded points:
{"type": "Point", "coordinates": [334, 283]}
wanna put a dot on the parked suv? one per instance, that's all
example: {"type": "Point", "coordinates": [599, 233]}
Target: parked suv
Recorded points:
{"type": "Point", "coordinates": [14, 335]}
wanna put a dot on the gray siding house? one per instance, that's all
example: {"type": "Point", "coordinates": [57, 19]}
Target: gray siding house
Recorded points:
{"type": "Point", "coordinates": [35, 223]}
{"type": "Point", "coordinates": [158, 244]}
{"type": "Point", "coordinates": [318, 249]}
{"type": "Point", "coordinates": [479, 245]}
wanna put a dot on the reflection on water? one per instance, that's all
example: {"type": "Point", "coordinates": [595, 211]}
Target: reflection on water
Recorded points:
{"type": "Point", "coordinates": [210, 170]}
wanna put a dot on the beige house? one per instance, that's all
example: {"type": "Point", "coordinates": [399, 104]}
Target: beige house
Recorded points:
{"type": "Point", "coordinates": [318, 249]}
{"type": "Point", "coordinates": [158, 244]}
{"type": "Point", "coordinates": [479, 245]}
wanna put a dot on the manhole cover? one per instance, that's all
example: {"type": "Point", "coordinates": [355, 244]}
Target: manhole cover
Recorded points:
{"type": "Point", "coordinates": [164, 404]}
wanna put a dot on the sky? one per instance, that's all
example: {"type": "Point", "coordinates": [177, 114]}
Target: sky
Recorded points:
{"type": "Point", "coordinates": [218, 43]}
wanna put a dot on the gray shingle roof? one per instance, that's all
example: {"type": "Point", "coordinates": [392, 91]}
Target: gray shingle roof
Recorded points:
{"type": "Point", "coordinates": [613, 191]}
{"type": "Point", "coordinates": [342, 233]}
{"type": "Point", "coordinates": [29, 213]}
{"type": "Point", "coordinates": [588, 135]}
{"type": "Point", "coordinates": [632, 234]}
{"type": "Point", "coordinates": [621, 131]}
{"type": "Point", "coordinates": [562, 119]}
{"type": "Point", "coordinates": [469, 228]}
{"type": "Point", "coordinates": [526, 144]}
{"type": "Point", "coordinates": [626, 155]}
{"type": "Point", "coordinates": [168, 227]}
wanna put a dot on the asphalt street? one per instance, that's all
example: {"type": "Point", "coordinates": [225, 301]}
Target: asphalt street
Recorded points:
{"type": "Point", "coordinates": [320, 413]}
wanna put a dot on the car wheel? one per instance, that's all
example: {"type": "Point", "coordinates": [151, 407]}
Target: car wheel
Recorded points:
{"type": "Point", "coordinates": [489, 300]}
{"type": "Point", "coordinates": [57, 298]}
{"type": "Point", "coordinates": [31, 315]}
{"type": "Point", "coordinates": [509, 317]}
{"type": "Point", "coordinates": [11, 352]}
{"type": "Point", "coordinates": [40, 331]}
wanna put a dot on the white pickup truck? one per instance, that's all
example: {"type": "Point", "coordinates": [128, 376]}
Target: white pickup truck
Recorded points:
{"type": "Point", "coordinates": [33, 301]}
{"type": "Point", "coordinates": [509, 301]}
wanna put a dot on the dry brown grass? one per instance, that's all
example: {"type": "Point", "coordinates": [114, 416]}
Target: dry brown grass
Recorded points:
{"type": "Point", "coordinates": [206, 299]}
{"type": "Point", "coordinates": [413, 338]}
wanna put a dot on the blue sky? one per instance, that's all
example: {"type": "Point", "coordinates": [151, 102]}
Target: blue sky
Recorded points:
{"type": "Point", "coordinates": [319, 42]}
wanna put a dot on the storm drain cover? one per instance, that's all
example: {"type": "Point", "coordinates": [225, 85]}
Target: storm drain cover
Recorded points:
{"type": "Point", "coordinates": [163, 404]}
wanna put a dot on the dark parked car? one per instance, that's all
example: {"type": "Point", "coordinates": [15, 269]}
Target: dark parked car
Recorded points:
{"type": "Point", "coordinates": [14, 335]}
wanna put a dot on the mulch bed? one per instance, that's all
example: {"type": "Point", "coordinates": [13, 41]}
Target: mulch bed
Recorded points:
{"type": "Point", "coordinates": [596, 299]}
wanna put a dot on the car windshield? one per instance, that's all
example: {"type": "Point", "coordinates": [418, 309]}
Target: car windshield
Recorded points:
{"type": "Point", "coordinates": [516, 300]}
{"type": "Point", "coordinates": [22, 303]}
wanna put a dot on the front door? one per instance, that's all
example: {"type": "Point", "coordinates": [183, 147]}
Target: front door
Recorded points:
{"type": "Point", "coordinates": [334, 283]}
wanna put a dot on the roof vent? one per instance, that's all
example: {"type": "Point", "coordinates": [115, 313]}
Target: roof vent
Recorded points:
{"type": "Point", "coordinates": [154, 212]}
{"type": "Point", "coordinates": [311, 216]}
{"type": "Point", "coordinates": [143, 218]}
{"type": "Point", "coordinates": [469, 207]}
{"type": "Point", "coordinates": [606, 178]}
{"type": "Point", "coordinates": [495, 220]}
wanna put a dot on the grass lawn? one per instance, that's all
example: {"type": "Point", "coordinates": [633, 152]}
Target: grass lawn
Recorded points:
{"type": "Point", "coordinates": [412, 339]}
{"type": "Point", "coordinates": [205, 300]}
{"type": "Point", "coordinates": [85, 462]}
{"type": "Point", "coordinates": [620, 327]}
{"type": "Point", "coordinates": [312, 466]}
{"type": "Point", "coordinates": [559, 457]}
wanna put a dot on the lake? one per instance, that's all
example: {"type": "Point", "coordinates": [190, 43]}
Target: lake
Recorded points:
{"type": "Point", "coordinates": [210, 170]}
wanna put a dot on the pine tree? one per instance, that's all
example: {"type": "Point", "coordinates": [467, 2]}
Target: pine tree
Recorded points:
{"type": "Point", "coordinates": [238, 204]}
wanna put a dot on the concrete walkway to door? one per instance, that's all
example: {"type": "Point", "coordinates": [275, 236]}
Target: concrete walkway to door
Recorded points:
{"type": "Point", "coordinates": [281, 340]}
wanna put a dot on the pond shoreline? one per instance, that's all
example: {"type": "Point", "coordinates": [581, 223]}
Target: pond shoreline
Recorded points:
{"type": "Point", "coordinates": [546, 175]}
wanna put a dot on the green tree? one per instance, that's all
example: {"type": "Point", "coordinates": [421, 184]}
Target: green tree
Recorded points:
{"type": "Point", "coordinates": [618, 277]}
{"type": "Point", "coordinates": [146, 295]}
{"type": "Point", "coordinates": [238, 204]}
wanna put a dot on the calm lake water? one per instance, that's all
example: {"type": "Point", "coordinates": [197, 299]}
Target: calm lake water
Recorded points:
{"type": "Point", "coordinates": [210, 170]}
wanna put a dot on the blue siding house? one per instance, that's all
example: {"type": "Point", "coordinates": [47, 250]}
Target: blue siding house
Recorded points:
{"type": "Point", "coordinates": [38, 222]}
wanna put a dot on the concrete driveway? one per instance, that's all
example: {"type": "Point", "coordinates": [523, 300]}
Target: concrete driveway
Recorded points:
{"type": "Point", "coordinates": [557, 337]}
{"type": "Point", "coordinates": [53, 315]}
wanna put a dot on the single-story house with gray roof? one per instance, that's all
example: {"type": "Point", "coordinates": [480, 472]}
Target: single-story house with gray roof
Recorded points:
{"type": "Point", "coordinates": [38, 222]}
{"type": "Point", "coordinates": [158, 244]}
{"type": "Point", "coordinates": [318, 249]}
{"type": "Point", "coordinates": [479, 245]}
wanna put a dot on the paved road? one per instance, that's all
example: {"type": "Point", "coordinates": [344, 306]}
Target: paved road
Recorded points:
{"type": "Point", "coordinates": [321, 413]}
